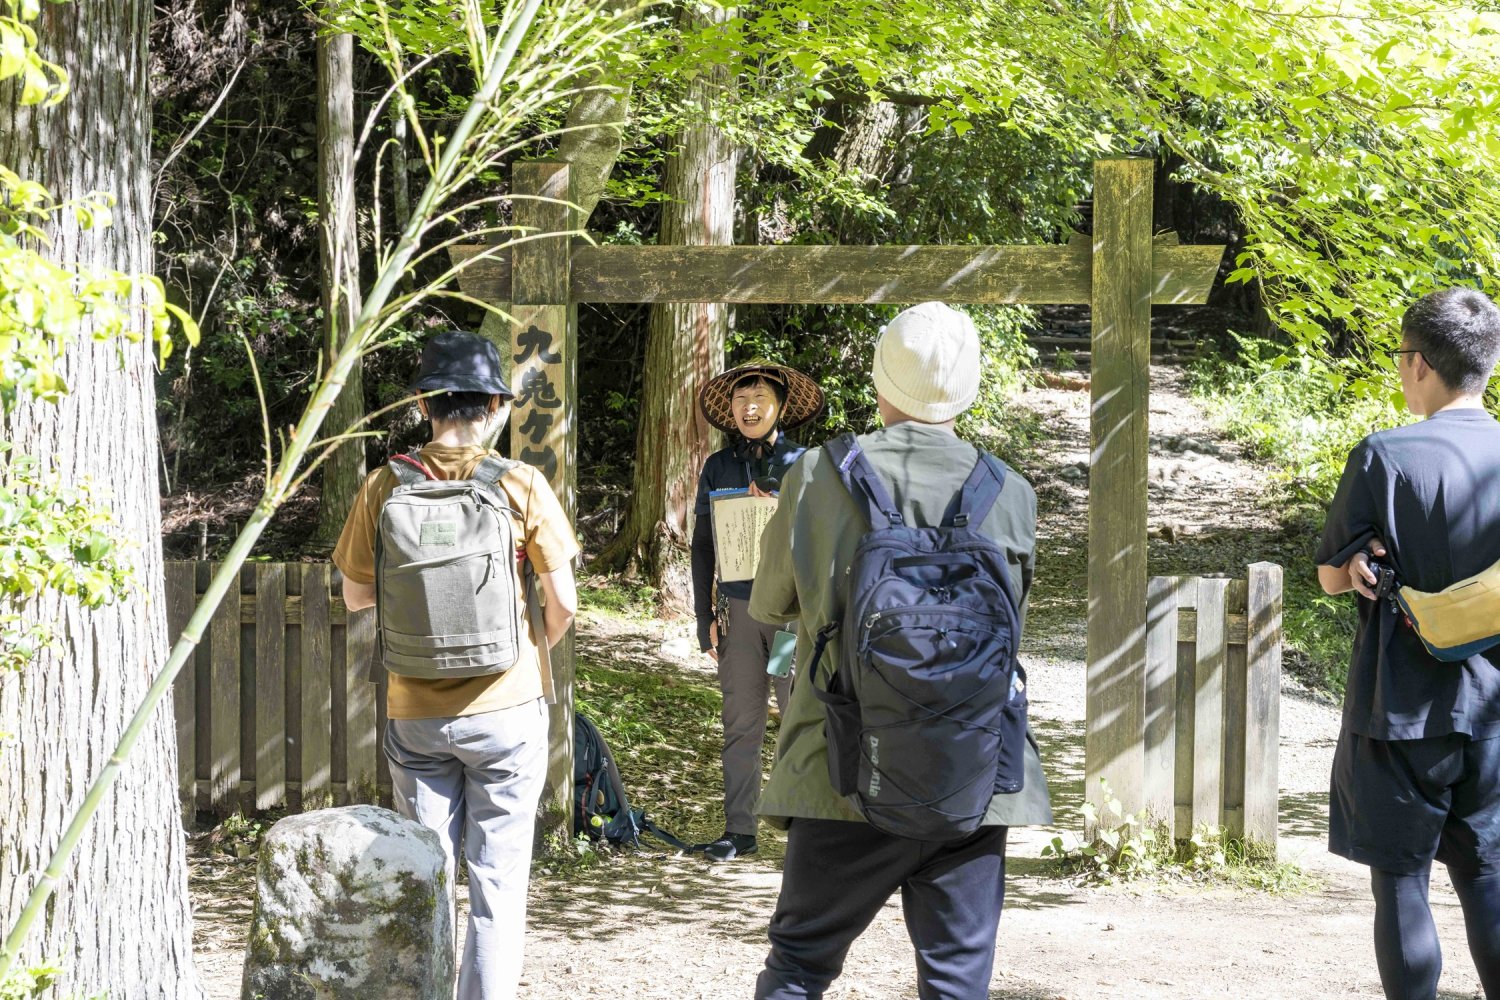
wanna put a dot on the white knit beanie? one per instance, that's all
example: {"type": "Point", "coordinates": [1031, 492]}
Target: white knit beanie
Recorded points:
{"type": "Point", "coordinates": [927, 362]}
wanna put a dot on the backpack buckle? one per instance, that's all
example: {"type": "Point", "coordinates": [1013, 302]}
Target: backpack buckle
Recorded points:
{"type": "Point", "coordinates": [960, 520]}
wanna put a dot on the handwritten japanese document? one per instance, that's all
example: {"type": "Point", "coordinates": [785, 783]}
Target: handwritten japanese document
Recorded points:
{"type": "Point", "coordinates": [738, 520]}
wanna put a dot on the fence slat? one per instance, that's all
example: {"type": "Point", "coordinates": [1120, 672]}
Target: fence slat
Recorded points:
{"type": "Point", "coordinates": [270, 693]}
{"type": "Point", "coordinates": [182, 596]}
{"type": "Point", "coordinates": [1263, 704]}
{"type": "Point", "coordinates": [359, 703]}
{"type": "Point", "coordinates": [1161, 697]}
{"type": "Point", "coordinates": [1187, 670]}
{"type": "Point", "coordinates": [224, 705]}
{"type": "Point", "coordinates": [317, 692]}
{"type": "Point", "coordinates": [1234, 718]}
{"type": "Point", "coordinates": [1208, 708]}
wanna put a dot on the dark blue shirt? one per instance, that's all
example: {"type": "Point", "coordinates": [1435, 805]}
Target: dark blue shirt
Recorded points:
{"type": "Point", "coordinates": [1431, 492]}
{"type": "Point", "coordinates": [729, 468]}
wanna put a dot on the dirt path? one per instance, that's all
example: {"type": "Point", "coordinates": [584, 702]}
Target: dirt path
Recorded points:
{"type": "Point", "coordinates": [651, 925]}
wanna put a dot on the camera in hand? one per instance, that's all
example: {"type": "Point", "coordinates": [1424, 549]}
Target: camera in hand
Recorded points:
{"type": "Point", "coordinates": [1385, 579]}
{"type": "Point", "coordinates": [768, 483]}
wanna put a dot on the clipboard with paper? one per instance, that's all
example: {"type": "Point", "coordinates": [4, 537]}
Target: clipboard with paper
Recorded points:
{"type": "Point", "coordinates": [738, 520]}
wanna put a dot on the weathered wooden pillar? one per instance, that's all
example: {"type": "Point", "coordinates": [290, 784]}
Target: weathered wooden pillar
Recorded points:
{"type": "Point", "coordinates": [1263, 703]}
{"type": "Point", "coordinates": [1114, 747]}
{"type": "Point", "coordinates": [543, 421]}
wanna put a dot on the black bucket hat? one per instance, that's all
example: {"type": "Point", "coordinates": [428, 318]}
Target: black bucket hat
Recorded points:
{"type": "Point", "coordinates": [460, 361]}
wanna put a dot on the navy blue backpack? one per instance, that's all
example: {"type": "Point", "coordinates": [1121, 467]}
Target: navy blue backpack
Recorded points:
{"type": "Point", "coordinates": [926, 708]}
{"type": "Point", "coordinates": [601, 808]}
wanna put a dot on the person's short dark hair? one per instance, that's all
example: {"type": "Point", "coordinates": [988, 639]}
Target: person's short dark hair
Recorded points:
{"type": "Point", "coordinates": [459, 407]}
{"type": "Point", "coordinates": [1458, 332]}
{"type": "Point", "coordinates": [758, 378]}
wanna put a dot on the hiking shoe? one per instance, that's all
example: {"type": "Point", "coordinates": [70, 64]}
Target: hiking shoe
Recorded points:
{"type": "Point", "coordinates": [731, 846]}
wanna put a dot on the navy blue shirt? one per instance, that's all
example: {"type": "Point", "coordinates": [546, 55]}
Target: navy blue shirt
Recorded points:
{"type": "Point", "coordinates": [1431, 492]}
{"type": "Point", "coordinates": [729, 468]}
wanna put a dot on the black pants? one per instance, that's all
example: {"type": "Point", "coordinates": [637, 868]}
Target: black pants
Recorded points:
{"type": "Point", "coordinates": [838, 875]}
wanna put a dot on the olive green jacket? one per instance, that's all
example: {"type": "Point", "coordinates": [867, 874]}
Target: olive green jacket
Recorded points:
{"type": "Point", "coordinates": [806, 552]}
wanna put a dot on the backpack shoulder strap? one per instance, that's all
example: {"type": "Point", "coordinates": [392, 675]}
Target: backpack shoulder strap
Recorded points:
{"type": "Point", "coordinates": [491, 468]}
{"type": "Point", "coordinates": [972, 503]}
{"type": "Point", "coordinates": [409, 469]}
{"type": "Point", "coordinates": [863, 483]}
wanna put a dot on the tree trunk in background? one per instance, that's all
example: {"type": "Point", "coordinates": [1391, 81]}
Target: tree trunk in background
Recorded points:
{"type": "Point", "coordinates": [339, 273]}
{"type": "Point", "coordinates": [120, 920]}
{"type": "Point", "coordinates": [684, 348]}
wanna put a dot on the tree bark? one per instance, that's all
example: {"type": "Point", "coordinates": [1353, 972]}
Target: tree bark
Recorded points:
{"type": "Point", "coordinates": [339, 271]}
{"type": "Point", "coordinates": [120, 920]}
{"type": "Point", "coordinates": [684, 348]}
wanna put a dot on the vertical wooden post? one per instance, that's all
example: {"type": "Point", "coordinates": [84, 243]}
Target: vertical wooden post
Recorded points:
{"type": "Point", "coordinates": [359, 706]}
{"type": "Point", "coordinates": [224, 705]}
{"type": "Point", "coordinates": [182, 597]}
{"type": "Point", "coordinates": [1187, 723]}
{"type": "Point", "coordinates": [1234, 713]}
{"type": "Point", "coordinates": [1161, 697]}
{"type": "Point", "coordinates": [270, 691]}
{"type": "Point", "coordinates": [317, 689]}
{"type": "Point", "coordinates": [543, 422]}
{"type": "Point", "coordinates": [1208, 709]}
{"type": "Point", "coordinates": [1262, 703]}
{"type": "Point", "coordinates": [1121, 314]}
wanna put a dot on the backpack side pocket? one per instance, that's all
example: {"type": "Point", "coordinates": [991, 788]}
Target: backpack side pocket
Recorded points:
{"type": "Point", "coordinates": [1010, 766]}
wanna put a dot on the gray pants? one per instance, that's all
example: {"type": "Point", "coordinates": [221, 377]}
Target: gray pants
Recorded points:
{"type": "Point", "coordinates": [743, 651]}
{"type": "Point", "coordinates": [475, 780]}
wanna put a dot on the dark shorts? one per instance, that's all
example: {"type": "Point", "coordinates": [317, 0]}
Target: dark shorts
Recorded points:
{"type": "Point", "coordinates": [1397, 805]}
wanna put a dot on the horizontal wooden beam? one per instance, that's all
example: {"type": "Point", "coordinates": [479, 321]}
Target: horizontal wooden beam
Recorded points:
{"type": "Point", "coordinates": [1236, 627]}
{"type": "Point", "coordinates": [844, 274]}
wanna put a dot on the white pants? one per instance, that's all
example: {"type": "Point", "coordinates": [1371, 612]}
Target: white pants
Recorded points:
{"type": "Point", "coordinates": [475, 780]}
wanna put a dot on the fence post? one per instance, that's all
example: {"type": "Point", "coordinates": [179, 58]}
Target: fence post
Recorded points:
{"type": "Point", "coordinates": [1161, 697]}
{"type": "Point", "coordinates": [224, 705]}
{"type": "Point", "coordinates": [543, 425]}
{"type": "Point", "coordinates": [1233, 813]}
{"type": "Point", "coordinates": [359, 706]}
{"type": "Point", "coordinates": [1263, 704]}
{"type": "Point", "coordinates": [182, 596]}
{"type": "Point", "coordinates": [1121, 345]}
{"type": "Point", "coordinates": [270, 693]}
{"type": "Point", "coordinates": [317, 689]}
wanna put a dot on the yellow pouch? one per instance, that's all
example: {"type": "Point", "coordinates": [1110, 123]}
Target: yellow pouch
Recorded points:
{"type": "Point", "coordinates": [1459, 621]}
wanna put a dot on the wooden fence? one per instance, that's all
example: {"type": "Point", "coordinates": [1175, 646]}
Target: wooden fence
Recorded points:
{"type": "Point", "coordinates": [1213, 709]}
{"type": "Point", "coordinates": [276, 710]}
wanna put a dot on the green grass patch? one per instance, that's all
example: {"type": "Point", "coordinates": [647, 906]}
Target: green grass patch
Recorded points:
{"type": "Point", "coordinates": [615, 597]}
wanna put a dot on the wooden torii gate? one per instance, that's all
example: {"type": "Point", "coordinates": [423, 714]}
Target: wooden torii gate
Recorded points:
{"type": "Point", "coordinates": [1120, 273]}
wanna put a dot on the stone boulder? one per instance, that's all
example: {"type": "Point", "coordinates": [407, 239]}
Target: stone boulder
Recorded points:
{"type": "Point", "coordinates": [350, 903]}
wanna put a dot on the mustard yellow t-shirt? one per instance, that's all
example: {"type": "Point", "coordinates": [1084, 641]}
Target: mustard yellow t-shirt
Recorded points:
{"type": "Point", "coordinates": [549, 543]}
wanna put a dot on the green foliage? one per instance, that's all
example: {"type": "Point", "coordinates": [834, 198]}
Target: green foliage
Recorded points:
{"type": "Point", "coordinates": [28, 983]}
{"type": "Point", "coordinates": [834, 346]}
{"type": "Point", "coordinates": [1296, 411]}
{"type": "Point", "coordinates": [52, 537]}
{"type": "Point", "coordinates": [1128, 848]}
{"type": "Point", "coordinates": [239, 835]}
{"type": "Point", "coordinates": [617, 597]}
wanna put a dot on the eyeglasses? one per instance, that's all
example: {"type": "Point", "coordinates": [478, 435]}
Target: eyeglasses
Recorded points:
{"type": "Point", "coordinates": [1395, 353]}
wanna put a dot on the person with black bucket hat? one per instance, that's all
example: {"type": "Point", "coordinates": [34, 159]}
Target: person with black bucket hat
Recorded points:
{"type": "Point", "coordinates": [755, 404]}
{"type": "Point", "coordinates": [445, 543]}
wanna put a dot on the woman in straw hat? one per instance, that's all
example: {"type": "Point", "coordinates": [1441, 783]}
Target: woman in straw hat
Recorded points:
{"type": "Point", "coordinates": [755, 404]}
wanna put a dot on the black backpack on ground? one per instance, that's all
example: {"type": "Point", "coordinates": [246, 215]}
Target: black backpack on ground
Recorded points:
{"type": "Point", "coordinates": [926, 708]}
{"type": "Point", "coordinates": [601, 808]}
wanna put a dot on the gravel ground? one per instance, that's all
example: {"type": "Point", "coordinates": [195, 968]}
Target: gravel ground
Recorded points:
{"type": "Point", "coordinates": [652, 925]}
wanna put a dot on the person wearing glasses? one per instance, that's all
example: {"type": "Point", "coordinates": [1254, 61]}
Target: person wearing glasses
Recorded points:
{"type": "Point", "coordinates": [1416, 773]}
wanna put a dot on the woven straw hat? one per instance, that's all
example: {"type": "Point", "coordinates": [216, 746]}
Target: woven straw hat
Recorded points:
{"type": "Point", "coordinates": [803, 397]}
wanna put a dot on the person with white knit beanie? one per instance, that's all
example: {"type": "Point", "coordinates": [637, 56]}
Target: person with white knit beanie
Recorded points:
{"type": "Point", "coordinates": [927, 363]}
{"type": "Point", "coordinates": [839, 870]}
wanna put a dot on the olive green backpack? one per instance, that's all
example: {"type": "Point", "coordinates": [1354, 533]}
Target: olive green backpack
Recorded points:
{"type": "Point", "coordinates": [445, 573]}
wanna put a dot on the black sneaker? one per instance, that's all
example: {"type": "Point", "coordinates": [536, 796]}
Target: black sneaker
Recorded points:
{"type": "Point", "coordinates": [731, 846]}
